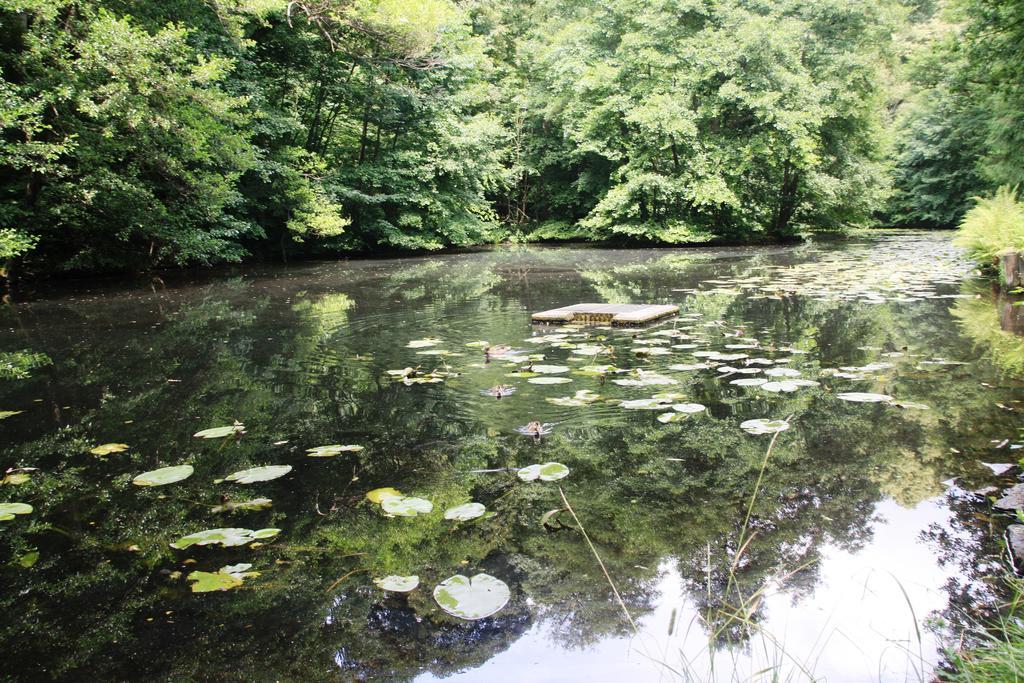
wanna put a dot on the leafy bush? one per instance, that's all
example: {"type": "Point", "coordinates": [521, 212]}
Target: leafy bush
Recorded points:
{"type": "Point", "coordinates": [994, 225]}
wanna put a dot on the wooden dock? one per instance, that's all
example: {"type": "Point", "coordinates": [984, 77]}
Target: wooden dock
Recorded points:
{"type": "Point", "coordinates": [621, 315]}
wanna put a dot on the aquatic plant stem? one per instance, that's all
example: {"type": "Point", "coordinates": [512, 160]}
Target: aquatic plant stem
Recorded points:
{"type": "Point", "coordinates": [343, 577]}
{"type": "Point", "coordinates": [743, 541]}
{"type": "Point", "coordinates": [611, 583]}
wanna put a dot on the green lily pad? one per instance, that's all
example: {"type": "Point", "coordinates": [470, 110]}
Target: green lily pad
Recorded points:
{"type": "Point", "coordinates": [378, 495]}
{"type": "Point", "coordinates": [221, 432]}
{"type": "Point", "coordinates": [4, 414]}
{"type": "Point", "coordinates": [15, 478]}
{"type": "Point", "coordinates": [406, 506]}
{"type": "Point", "coordinates": [549, 380]}
{"type": "Point", "coordinates": [582, 397]}
{"type": "Point", "coordinates": [688, 408]}
{"type": "Point", "coordinates": [8, 510]}
{"type": "Point", "coordinates": [646, 404]}
{"type": "Point", "coordinates": [465, 512]}
{"type": "Point", "coordinates": [332, 450]}
{"type": "Point", "coordinates": [244, 505]}
{"type": "Point", "coordinates": [863, 397]}
{"type": "Point", "coordinates": [749, 382]}
{"type": "Point", "coordinates": [226, 578]}
{"type": "Point", "coordinates": [163, 476]}
{"type": "Point", "coordinates": [423, 343]}
{"type": "Point", "coordinates": [109, 448]}
{"type": "Point", "coordinates": [398, 584]}
{"type": "Point", "coordinates": [550, 369]}
{"type": "Point", "coordinates": [225, 537]}
{"type": "Point", "coordinates": [758, 427]}
{"type": "Point", "coordinates": [788, 385]}
{"type": "Point", "coordinates": [549, 471]}
{"type": "Point", "coordinates": [257, 474]}
{"type": "Point", "coordinates": [472, 598]}
{"type": "Point", "coordinates": [667, 418]}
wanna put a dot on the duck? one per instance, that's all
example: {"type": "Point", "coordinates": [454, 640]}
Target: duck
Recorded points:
{"type": "Point", "coordinates": [499, 390]}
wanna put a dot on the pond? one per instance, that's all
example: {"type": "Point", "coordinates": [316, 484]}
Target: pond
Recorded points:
{"type": "Point", "coordinates": [853, 550]}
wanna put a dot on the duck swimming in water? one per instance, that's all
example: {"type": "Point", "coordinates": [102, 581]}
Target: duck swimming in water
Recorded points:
{"type": "Point", "coordinates": [499, 391]}
{"type": "Point", "coordinates": [535, 429]}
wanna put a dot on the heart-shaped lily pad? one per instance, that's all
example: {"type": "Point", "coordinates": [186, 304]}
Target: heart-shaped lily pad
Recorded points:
{"type": "Point", "coordinates": [549, 471]}
{"type": "Point", "coordinates": [378, 495]}
{"type": "Point", "coordinates": [549, 380]}
{"type": "Point", "coordinates": [225, 537]}
{"type": "Point", "coordinates": [550, 369]}
{"type": "Point", "coordinates": [472, 598]}
{"type": "Point", "coordinates": [257, 474]}
{"type": "Point", "coordinates": [332, 450]}
{"type": "Point", "coordinates": [465, 512]}
{"type": "Point", "coordinates": [406, 506]}
{"type": "Point", "coordinates": [109, 448]}
{"type": "Point", "coordinates": [244, 505]}
{"type": "Point", "coordinates": [224, 579]}
{"type": "Point", "coordinates": [863, 397]}
{"type": "Point", "coordinates": [221, 432]}
{"type": "Point", "coordinates": [398, 584]}
{"type": "Point", "coordinates": [8, 510]}
{"type": "Point", "coordinates": [646, 404]}
{"type": "Point", "coordinates": [749, 382]}
{"type": "Point", "coordinates": [164, 475]}
{"type": "Point", "coordinates": [758, 427]}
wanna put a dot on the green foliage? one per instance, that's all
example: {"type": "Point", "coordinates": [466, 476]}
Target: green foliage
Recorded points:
{"type": "Point", "coordinates": [999, 656]}
{"type": "Point", "coordinates": [994, 225]}
{"type": "Point", "coordinates": [145, 134]}
{"type": "Point", "coordinates": [960, 133]}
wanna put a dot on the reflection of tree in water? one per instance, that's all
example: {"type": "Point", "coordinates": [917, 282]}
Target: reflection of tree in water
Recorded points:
{"type": "Point", "coordinates": [306, 362]}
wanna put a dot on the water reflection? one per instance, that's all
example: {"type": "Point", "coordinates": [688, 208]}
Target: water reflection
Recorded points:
{"type": "Point", "coordinates": [852, 491]}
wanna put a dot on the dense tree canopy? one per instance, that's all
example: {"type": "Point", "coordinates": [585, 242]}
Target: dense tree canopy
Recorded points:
{"type": "Point", "coordinates": [144, 134]}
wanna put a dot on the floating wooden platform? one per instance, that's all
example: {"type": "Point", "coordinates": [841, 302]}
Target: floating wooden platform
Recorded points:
{"type": "Point", "coordinates": [613, 314]}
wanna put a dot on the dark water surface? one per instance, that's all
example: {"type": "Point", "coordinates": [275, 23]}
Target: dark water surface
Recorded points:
{"type": "Point", "coordinates": [856, 563]}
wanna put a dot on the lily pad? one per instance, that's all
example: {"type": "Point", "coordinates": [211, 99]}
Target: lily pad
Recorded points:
{"type": "Point", "coordinates": [406, 506]}
{"type": "Point", "coordinates": [226, 537]}
{"type": "Point", "coordinates": [221, 432]}
{"type": "Point", "coordinates": [378, 495]}
{"type": "Point", "coordinates": [782, 372]}
{"type": "Point", "coordinates": [787, 385]}
{"type": "Point", "coordinates": [863, 397]}
{"type": "Point", "coordinates": [4, 414]}
{"type": "Point", "coordinates": [688, 408]}
{"type": "Point", "coordinates": [8, 510]}
{"type": "Point", "coordinates": [580, 398]}
{"type": "Point", "coordinates": [465, 512]}
{"type": "Point", "coordinates": [549, 471]}
{"type": "Point", "coordinates": [472, 598]}
{"type": "Point", "coordinates": [244, 505]}
{"type": "Point", "coordinates": [550, 369]}
{"type": "Point", "coordinates": [749, 381]}
{"type": "Point", "coordinates": [109, 448]}
{"type": "Point", "coordinates": [758, 427]}
{"type": "Point", "coordinates": [163, 476]}
{"type": "Point", "coordinates": [332, 450]}
{"type": "Point", "coordinates": [687, 367]}
{"type": "Point", "coordinates": [398, 584]}
{"type": "Point", "coordinates": [423, 343]}
{"type": "Point", "coordinates": [646, 404]}
{"type": "Point", "coordinates": [226, 578]}
{"type": "Point", "coordinates": [667, 418]}
{"type": "Point", "coordinates": [257, 474]}
{"type": "Point", "coordinates": [549, 380]}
